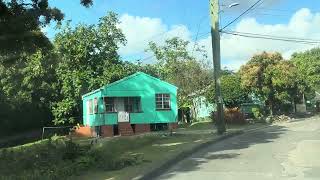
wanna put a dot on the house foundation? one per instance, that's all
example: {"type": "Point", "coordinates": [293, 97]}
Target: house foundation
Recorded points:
{"type": "Point", "coordinates": [107, 131]}
{"type": "Point", "coordinates": [173, 126]}
{"type": "Point", "coordinates": [142, 128]}
{"type": "Point", "coordinates": [125, 129]}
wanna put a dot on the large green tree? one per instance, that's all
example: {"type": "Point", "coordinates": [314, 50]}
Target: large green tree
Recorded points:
{"type": "Point", "coordinates": [177, 66]}
{"type": "Point", "coordinates": [88, 60]}
{"type": "Point", "coordinates": [256, 77]}
{"type": "Point", "coordinates": [232, 92]}
{"type": "Point", "coordinates": [27, 88]}
{"type": "Point", "coordinates": [274, 80]}
{"type": "Point", "coordinates": [20, 27]}
{"type": "Point", "coordinates": [308, 64]}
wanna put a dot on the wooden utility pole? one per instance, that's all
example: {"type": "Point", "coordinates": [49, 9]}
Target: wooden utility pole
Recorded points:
{"type": "Point", "coordinates": [215, 35]}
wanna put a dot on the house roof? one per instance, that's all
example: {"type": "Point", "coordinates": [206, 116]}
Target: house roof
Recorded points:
{"type": "Point", "coordinates": [125, 79]}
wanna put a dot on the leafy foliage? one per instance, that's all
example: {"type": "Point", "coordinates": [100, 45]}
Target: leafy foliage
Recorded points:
{"type": "Point", "coordinates": [177, 66]}
{"type": "Point", "coordinates": [88, 60]}
{"type": "Point", "coordinates": [308, 64]}
{"type": "Point", "coordinates": [232, 92]}
{"type": "Point", "coordinates": [61, 158]}
{"type": "Point", "coordinates": [274, 80]}
{"type": "Point", "coordinates": [20, 27]}
{"type": "Point", "coordinates": [231, 116]}
{"type": "Point", "coordinates": [257, 113]}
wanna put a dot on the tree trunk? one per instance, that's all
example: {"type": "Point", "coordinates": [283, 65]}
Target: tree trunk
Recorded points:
{"type": "Point", "coordinates": [271, 108]}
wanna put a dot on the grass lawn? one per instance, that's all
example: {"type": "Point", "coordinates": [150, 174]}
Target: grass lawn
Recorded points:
{"type": "Point", "coordinates": [111, 158]}
{"type": "Point", "coordinates": [161, 149]}
{"type": "Point", "coordinates": [201, 125]}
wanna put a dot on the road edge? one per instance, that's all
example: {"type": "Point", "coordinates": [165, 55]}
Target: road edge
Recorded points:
{"type": "Point", "coordinates": [179, 157]}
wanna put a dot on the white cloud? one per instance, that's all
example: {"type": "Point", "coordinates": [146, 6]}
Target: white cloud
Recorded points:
{"type": "Point", "coordinates": [139, 31]}
{"type": "Point", "coordinates": [303, 24]}
{"type": "Point", "coordinates": [235, 50]}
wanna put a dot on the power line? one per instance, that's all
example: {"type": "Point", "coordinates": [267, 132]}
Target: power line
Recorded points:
{"type": "Point", "coordinates": [197, 35]}
{"type": "Point", "coordinates": [276, 38]}
{"type": "Point", "coordinates": [245, 12]}
{"type": "Point", "coordinates": [273, 36]}
{"type": "Point", "coordinates": [285, 10]}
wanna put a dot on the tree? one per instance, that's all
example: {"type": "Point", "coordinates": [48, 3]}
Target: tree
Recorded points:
{"type": "Point", "coordinates": [256, 77]}
{"type": "Point", "coordinates": [20, 29]}
{"type": "Point", "coordinates": [21, 23]}
{"type": "Point", "coordinates": [308, 64]}
{"type": "Point", "coordinates": [274, 80]}
{"type": "Point", "coordinates": [177, 66]}
{"type": "Point", "coordinates": [232, 92]}
{"type": "Point", "coordinates": [88, 60]}
{"type": "Point", "coordinates": [27, 88]}
{"type": "Point", "coordinates": [288, 85]}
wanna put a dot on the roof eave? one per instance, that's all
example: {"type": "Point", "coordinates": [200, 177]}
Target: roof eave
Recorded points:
{"type": "Point", "coordinates": [92, 92]}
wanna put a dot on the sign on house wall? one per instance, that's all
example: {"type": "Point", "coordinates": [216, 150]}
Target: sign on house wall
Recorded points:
{"type": "Point", "coordinates": [123, 116]}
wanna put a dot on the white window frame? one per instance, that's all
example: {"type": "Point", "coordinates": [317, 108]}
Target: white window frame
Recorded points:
{"type": "Point", "coordinates": [95, 105]}
{"type": "Point", "coordinates": [90, 106]}
{"type": "Point", "coordinates": [163, 99]}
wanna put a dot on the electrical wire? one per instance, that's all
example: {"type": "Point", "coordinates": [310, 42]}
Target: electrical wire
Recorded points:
{"type": "Point", "coordinates": [242, 14]}
{"type": "Point", "coordinates": [276, 38]}
{"type": "Point", "coordinates": [266, 35]}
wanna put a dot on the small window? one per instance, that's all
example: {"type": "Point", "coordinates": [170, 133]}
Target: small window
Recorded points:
{"type": "Point", "coordinates": [89, 106]}
{"type": "Point", "coordinates": [109, 104]}
{"type": "Point", "coordinates": [163, 102]}
{"type": "Point", "coordinates": [95, 102]}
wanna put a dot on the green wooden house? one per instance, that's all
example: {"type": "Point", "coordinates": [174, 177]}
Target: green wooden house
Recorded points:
{"type": "Point", "coordinates": [130, 106]}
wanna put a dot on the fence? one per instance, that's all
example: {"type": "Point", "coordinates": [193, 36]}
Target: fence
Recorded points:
{"type": "Point", "coordinates": [48, 132]}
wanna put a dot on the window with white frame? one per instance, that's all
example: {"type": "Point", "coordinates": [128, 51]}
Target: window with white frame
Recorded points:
{"type": "Point", "coordinates": [163, 102]}
{"type": "Point", "coordinates": [89, 106]}
{"type": "Point", "coordinates": [95, 102]}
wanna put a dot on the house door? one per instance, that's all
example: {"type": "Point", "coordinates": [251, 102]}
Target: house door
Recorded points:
{"type": "Point", "coordinates": [123, 116]}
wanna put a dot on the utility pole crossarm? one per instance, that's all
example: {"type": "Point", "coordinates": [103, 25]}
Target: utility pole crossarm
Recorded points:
{"type": "Point", "coordinates": [215, 35]}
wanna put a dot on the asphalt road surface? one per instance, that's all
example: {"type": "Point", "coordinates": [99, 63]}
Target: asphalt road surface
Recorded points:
{"type": "Point", "coordinates": [284, 151]}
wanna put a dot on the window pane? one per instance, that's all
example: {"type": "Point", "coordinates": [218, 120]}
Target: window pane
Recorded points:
{"type": "Point", "coordinates": [109, 104]}
{"type": "Point", "coordinates": [166, 106]}
{"type": "Point", "coordinates": [95, 102]}
{"type": "Point", "coordinates": [90, 106]}
{"type": "Point", "coordinates": [137, 104]}
{"type": "Point", "coordinates": [162, 101]}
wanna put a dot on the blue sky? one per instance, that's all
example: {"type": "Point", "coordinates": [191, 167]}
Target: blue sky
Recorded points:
{"type": "Point", "coordinates": [186, 15]}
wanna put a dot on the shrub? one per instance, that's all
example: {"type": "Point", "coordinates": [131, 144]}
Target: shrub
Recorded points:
{"type": "Point", "coordinates": [234, 116]}
{"type": "Point", "coordinates": [231, 116]}
{"type": "Point", "coordinates": [257, 114]}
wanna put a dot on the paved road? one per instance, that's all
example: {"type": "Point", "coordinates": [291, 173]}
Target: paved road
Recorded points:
{"type": "Point", "coordinates": [283, 151]}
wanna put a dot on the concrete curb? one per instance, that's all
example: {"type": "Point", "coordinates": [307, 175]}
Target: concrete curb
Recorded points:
{"type": "Point", "coordinates": [168, 164]}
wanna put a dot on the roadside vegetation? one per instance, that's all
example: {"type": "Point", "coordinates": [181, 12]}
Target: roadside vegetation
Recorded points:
{"type": "Point", "coordinates": [42, 80]}
{"type": "Point", "coordinates": [62, 158]}
{"type": "Point", "coordinates": [48, 77]}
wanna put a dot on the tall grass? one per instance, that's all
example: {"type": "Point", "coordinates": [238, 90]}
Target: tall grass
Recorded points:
{"type": "Point", "coordinates": [61, 158]}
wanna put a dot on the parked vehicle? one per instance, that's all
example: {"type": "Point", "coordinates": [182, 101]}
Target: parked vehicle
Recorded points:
{"type": "Point", "coordinates": [246, 109]}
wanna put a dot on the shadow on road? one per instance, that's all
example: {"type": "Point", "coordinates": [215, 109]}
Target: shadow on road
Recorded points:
{"type": "Point", "coordinates": [222, 150]}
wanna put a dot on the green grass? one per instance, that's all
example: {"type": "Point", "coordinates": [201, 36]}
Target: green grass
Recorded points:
{"type": "Point", "coordinates": [117, 158]}
{"type": "Point", "coordinates": [59, 158]}
{"type": "Point", "coordinates": [154, 151]}
{"type": "Point", "coordinates": [201, 125]}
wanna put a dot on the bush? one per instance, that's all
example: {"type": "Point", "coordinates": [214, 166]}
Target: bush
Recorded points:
{"type": "Point", "coordinates": [257, 114]}
{"type": "Point", "coordinates": [231, 116]}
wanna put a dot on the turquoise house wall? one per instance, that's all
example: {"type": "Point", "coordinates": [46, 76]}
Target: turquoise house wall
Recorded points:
{"type": "Point", "coordinates": [202, 107]}
{"type": "Point", "coordinates": [136, 85]}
